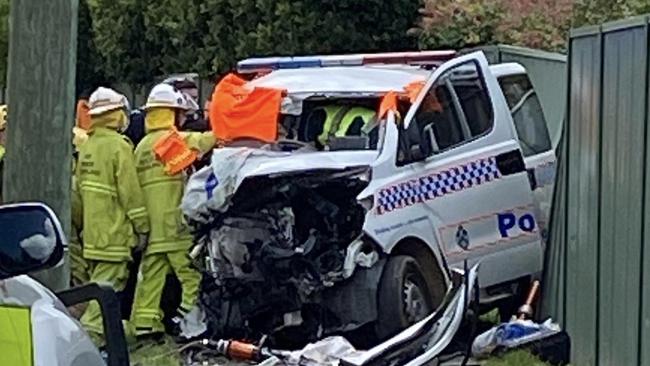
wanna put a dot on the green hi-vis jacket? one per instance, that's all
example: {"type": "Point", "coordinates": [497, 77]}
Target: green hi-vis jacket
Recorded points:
{"type": "Point", "coordinates": [163, 193]}
{"type": "Point", "coordinates": [111, 198]}
{"type": "Point", "coordinates": [339, 119]}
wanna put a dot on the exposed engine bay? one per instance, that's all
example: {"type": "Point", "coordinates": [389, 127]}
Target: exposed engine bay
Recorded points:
{"type": "Point", "coordinates": [281, 257]}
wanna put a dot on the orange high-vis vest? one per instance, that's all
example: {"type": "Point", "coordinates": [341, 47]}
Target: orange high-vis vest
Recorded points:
{"type": "Point", "coordinates": [173, 152]}
{"type": "Point", "coordinates": [238, 112]}
{"type": "Point", "coordinates": [83, 115]}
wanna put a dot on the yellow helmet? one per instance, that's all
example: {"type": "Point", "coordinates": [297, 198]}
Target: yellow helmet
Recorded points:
{"type": "Point", "coordinates": [3, 117]}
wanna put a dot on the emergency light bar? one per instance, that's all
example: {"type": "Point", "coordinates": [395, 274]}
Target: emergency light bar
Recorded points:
{"type": "Point", "coordinates": [265, 64]}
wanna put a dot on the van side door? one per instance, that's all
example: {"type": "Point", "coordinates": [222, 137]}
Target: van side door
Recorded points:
{"type": "Point", "coordinates": [535, 141]}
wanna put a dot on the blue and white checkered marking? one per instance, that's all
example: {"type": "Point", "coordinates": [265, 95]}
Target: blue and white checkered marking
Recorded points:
{"type": "Point", "coordinates": [437, 185]}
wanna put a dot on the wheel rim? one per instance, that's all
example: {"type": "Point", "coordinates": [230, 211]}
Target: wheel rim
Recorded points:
{"type": "Point", "coordinates": [416, 306]}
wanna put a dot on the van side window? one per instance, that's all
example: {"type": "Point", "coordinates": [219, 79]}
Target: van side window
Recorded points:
{"type": "Point", "coordinates": [456, 109]}
{"type": "Point", "coordinates": [527, 114]}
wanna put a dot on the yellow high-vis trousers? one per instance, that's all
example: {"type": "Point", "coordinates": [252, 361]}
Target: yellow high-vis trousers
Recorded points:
{"type": "Point", "coordinates": [79, 267]}
{"type": "Point", "coordinates": [146, 316]}
{"type": "Point", "coordinates": [113, 274]}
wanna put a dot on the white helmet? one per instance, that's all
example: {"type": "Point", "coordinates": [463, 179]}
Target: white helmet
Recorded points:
{"type": "Point", "coordinates": [166, 96]}
{"type": "Point", "coordinates": [105, 100]}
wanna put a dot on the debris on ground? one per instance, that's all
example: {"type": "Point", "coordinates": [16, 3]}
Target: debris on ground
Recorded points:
{"type": "Point", "coordinates": [511, 335]}
{"type": "Point", "coordinates": [417, 345]}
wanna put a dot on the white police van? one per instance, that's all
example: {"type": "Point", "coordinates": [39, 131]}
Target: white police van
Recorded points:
{"type": "Point", "coordinates": [333, 239]}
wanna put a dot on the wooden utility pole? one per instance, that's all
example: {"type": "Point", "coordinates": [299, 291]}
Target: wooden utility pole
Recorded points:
{"type": "Point", "coordinates": [41, 82]}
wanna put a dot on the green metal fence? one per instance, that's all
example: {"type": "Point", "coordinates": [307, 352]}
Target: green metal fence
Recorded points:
{"type": "Point", "coordinates": [598, 275]}
{"type": "Point", "coordinates": [547, 72]}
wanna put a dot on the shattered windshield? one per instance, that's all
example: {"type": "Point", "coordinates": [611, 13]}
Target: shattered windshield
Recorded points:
{"type": "Point", "coordinates": [331, 126]}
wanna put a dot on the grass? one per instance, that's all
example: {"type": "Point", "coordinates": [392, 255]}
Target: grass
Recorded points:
{"type": "Point", "coordinates": [167, 354]}
{"type": "Point", "coordinates": [156, 355]}
{"type": "Point", "coordinates": [515, 358]}
{"type": "Point", "coordinates": [491, 317]}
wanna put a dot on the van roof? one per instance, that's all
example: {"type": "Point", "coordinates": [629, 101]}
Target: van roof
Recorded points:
{"type": "Point", "coordinates": [342, 80]}
{"type": "Point", "coordinates": [348, 82]}
{"type": "Point", "coordinates": [364, 80]}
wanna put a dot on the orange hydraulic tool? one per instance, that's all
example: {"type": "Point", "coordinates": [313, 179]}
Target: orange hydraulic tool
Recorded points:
{"type": "Point", "coordinates": [239, 351]}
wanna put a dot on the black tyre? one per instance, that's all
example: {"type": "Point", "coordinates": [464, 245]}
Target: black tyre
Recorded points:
{"type": "Point", "coordinates": [404, 296]}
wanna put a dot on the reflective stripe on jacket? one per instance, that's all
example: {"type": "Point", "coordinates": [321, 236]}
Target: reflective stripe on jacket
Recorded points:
{"type": "Point", "coordinates": [163, 193]}
{"type": "Point", "coordinates": [346, 127]}
{"type": "Point", "coordinates": [340, 118]}
{"type": "Point", "coordinates": [112, 201]}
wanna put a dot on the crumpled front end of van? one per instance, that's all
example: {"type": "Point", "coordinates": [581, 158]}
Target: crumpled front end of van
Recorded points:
{"type": "Point", "coordinates": [284, 253]}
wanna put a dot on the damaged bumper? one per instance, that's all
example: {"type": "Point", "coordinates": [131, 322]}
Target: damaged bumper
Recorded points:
{"type": "Point", "coordinates": [286, 248]}
{"type": "Point", "coordinates": [420, 344]}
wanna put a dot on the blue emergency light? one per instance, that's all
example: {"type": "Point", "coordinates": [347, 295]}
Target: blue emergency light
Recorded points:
{"type": "Point", "coordinates": [299, 62]}
{"type": "Point", "coordinates": [266, 64]}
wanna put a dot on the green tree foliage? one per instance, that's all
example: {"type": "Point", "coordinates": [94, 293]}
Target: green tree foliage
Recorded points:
{"type": "Point", "coordinates": [174, 29]}
{"type": "Point", "coordinates": [90, 72]}
{"type": "Point", "coordinates": [134, 41]}
{"type": "Point", "coordinates": [141, 39]}
{"type": "Point", "coordinates": [464, 23]}
{"type": "Point", "coordinates": [589, 12]}
{"type": "Point", "coordinates": [121, 39]}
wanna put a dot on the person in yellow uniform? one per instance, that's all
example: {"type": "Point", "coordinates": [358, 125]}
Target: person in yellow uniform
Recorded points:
{"type": "Point", "coordinates": [342, 120]}
{"type": "Point", "coordinates": [115, 218]}
{"type": "Point", "coordinates": [162, 158]}
{"type": "Point", "coordinates": [79, 268]}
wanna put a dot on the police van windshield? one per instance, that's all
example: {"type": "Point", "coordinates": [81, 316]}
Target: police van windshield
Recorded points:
{"type": "Point", "coordinates": [334, 125]}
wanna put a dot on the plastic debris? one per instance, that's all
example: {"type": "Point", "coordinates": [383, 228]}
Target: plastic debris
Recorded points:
{"type": "Point", "coordinates": [326, 352]}
{"type": "Point", "coordinates": [511, 335]}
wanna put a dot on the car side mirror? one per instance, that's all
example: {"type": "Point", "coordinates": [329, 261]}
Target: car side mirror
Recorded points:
{"type": "Point", "coordinates": [31, 239]}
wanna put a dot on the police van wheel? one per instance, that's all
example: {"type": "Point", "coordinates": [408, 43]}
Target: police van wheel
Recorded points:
{"type": "Point", "coordinates": [404, 296]}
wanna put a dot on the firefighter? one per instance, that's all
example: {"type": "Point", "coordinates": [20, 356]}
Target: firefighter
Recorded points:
{"type": "Point", "coordinates": [162, 157]}
{"type": "Point", "coordinates": [340, 120]}
{"type": "Point", "coordinates": [195, 119]}
{"type": "Point", "coordinates": [115, 218]}
{"type": "Point", "coordinates": [79, 269]}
